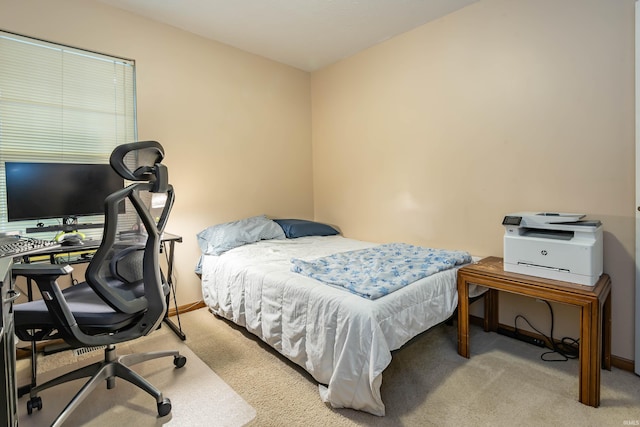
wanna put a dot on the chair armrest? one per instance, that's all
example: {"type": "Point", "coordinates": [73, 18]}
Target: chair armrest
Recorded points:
{"type": "Point", "coordinates": [40, 270]}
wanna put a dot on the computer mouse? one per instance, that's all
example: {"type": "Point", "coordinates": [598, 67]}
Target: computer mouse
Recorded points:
{"type": "Point", "coordinates": [70, 239]}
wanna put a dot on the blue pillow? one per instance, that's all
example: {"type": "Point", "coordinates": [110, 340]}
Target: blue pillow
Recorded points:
{"type": "Point", "coordinates": [220, 238]}
{"type": "Point", "coordinates": [300, 228]}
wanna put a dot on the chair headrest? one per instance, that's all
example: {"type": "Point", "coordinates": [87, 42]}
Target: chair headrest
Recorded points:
{"type": "Point", "coordinates": [141, 161]}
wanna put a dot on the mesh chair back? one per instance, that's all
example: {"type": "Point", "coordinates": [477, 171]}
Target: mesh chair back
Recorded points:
{"type": "Point", "coordinates": [125, 270]}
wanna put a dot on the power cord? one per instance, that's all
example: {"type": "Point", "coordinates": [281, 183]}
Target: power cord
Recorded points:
{"type": "Point", "coordinates": [567, 348]}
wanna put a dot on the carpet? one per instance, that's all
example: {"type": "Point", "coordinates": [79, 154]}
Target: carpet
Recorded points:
{"type": "Point", "coordinates": [198, 396]}
{"type": "Point", "coordinates": [504, 383]}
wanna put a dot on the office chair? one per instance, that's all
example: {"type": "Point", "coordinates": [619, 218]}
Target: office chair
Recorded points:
{"type": "Point", "coordinates": [124, 295]}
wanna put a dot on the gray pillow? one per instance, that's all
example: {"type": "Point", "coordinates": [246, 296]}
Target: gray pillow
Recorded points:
{"type": "Point", "coordinates": [220, 238]}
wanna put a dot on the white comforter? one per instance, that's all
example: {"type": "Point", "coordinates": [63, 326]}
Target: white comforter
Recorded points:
{"type": "Point", "coordinates": [344, 341]}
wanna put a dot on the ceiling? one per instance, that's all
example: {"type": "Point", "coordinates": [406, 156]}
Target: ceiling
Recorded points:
{"type": "Point", "coordinates": [306, 34]}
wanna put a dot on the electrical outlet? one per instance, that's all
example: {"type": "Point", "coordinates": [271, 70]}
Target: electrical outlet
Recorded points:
{"type": "Point", "coordinates": [538, 342]}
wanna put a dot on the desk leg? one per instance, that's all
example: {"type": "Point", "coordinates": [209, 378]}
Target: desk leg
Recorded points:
{"type": "Point", "coordinates": [463, 317]}
{"type": "Point", "coordinates": [177, 329]}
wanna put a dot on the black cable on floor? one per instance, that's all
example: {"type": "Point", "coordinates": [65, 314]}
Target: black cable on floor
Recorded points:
{"type": "Point", "coordinates": [567, 348]}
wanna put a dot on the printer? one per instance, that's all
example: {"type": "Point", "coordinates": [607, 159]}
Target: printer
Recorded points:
{"type": "Point", "coordinates": [559, 246]}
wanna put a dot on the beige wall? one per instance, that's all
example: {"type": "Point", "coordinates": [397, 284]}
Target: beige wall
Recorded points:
{"type": "Point", "coordinates": [433, 136]}
{"type": "Point", "coordinates": [429, 138]}
{"type": "Point", "coordinates": [235, 126]}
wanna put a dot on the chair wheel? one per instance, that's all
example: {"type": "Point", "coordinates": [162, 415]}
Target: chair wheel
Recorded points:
{"type": "Point", "coordinates": [34, 402]}
{"type": "Point", "coordinates": [179, 361]}
{"type": "Point", "coordinates": [164, 407]}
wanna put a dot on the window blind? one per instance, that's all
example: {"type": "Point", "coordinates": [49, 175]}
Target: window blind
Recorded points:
{"type": "Point", "coordinates": [61, 104]}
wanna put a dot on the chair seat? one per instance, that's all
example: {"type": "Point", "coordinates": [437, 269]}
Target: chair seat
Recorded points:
{"type": "Point", "coordinates": [89, 310]}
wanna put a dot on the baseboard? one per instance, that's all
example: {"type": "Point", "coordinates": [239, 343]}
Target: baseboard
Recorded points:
{"type": "Point", "coordinates": [186, 308]}
{"type": "Point", "coordinates": [616, 361]}
{"type": "Point", "coordinates": [622, 363]}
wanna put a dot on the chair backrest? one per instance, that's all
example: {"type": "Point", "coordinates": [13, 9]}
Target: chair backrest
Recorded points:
{"type": "Point", "coordinates": [125, 270]}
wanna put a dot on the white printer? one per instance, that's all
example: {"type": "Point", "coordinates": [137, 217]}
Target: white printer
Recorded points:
{"type": "Point", "coordinates": [559, 246]}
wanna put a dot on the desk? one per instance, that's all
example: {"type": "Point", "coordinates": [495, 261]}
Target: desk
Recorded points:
{"type": "Point", "coordinates": [167, 246]}
{"type": "Point", "coordinates": [595, 314]}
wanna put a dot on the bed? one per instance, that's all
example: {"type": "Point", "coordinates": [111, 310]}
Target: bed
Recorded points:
{"type": "Point", "coordinates": [342, 339]}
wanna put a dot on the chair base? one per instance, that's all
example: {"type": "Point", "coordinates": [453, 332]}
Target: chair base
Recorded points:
{"type": "Point", "coordinates": [113, 366]}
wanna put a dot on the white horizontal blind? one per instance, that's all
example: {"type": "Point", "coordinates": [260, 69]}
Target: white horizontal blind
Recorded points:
{"type": "Point", "coordinates": [61, 104]}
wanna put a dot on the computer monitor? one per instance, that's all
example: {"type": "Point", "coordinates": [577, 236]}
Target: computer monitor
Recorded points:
{"type": "Point", "coordinates": [58, 190]}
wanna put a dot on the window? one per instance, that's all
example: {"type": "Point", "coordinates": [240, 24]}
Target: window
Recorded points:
{"type": "Point", "coordinates": [61, 104]}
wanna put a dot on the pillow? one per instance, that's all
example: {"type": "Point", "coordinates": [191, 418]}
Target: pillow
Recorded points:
{"type": "Point", "coordinates": [300, 228]}
{"type": "Point", "coordinates": [220, 238]}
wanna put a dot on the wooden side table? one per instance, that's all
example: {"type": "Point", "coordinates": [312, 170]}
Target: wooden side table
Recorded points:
{"type": "Point", "coordinates": [595, 314]}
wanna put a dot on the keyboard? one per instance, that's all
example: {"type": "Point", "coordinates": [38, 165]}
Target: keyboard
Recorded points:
{"type": "Point", "coordinates": [18, 245]}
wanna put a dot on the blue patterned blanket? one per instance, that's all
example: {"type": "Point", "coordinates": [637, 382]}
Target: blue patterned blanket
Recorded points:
{"type": "Point", "coordinates": [378, 271]}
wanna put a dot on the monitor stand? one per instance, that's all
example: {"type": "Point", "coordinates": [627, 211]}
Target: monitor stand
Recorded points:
{"type": "Point", "coordinates": [64, 227]}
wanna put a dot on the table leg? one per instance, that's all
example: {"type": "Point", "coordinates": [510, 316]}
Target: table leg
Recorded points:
{"type": "Point", "coordinates": [606, 333]}
{"type": "Point", "coordinates": [491, 311]}
{"type": "Point", "coordinates": [590, 354]}
{"type": "Point", "coordinates": [463, 317]}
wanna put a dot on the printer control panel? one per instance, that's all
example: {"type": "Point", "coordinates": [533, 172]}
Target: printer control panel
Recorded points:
{"type": "Point", "coordinates": [512, 220]}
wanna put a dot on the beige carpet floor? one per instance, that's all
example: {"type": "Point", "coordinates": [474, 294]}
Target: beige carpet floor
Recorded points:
{"type": "Point", "coordinates": [504, 383]}
{"type": "Point", "coordinates": [238, 380]}
{"type": "Point", "coordinates": [198, 396]}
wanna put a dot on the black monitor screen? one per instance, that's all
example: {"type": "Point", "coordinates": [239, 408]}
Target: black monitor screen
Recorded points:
{"type": "Point", "coordinates": [58, 190]}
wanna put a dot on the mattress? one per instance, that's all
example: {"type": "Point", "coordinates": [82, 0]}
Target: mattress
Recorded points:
{"type": "Point", "coordinates": [343, 340]}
